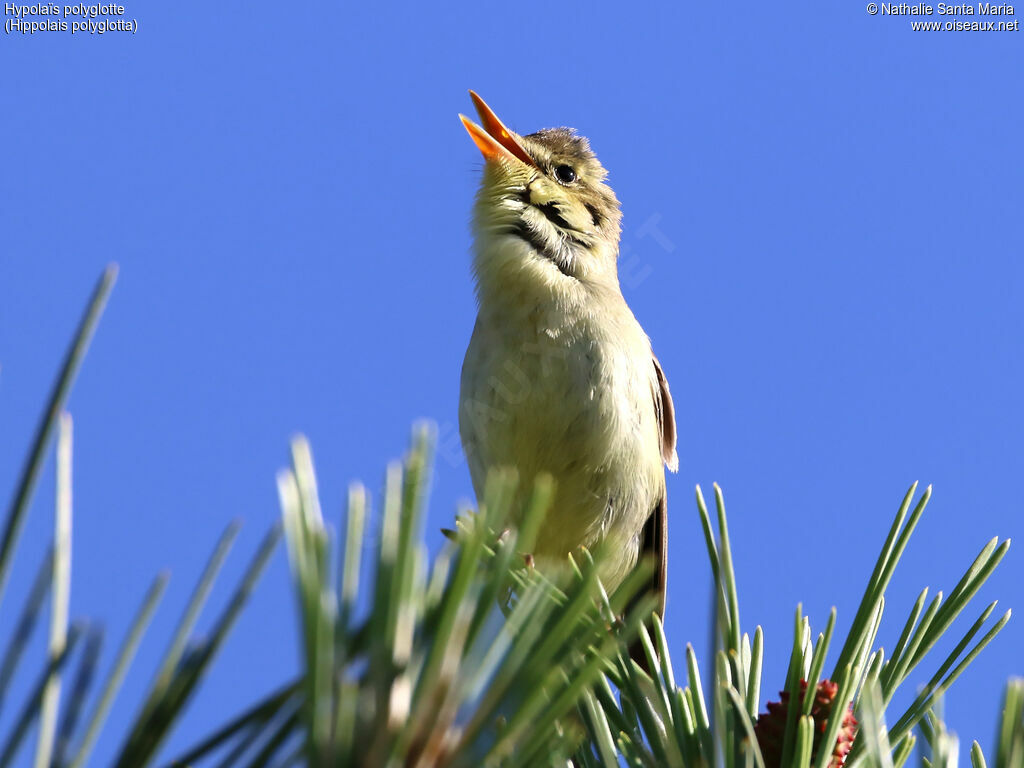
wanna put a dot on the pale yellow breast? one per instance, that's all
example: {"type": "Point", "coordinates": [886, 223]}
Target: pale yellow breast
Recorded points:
{"type": "Point", "coordinates": [566, 388]}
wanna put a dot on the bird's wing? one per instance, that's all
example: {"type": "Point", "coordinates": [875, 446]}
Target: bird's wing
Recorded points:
{"type": "Point", "coordinates": [654, 536]}
{"type": "Point", "coordinates": [654, 539]}
{"type": "Point", "coordinates": [666, 419]}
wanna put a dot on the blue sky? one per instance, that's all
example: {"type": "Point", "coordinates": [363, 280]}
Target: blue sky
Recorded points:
{"type": "Point", "coordinates": [822, 237]}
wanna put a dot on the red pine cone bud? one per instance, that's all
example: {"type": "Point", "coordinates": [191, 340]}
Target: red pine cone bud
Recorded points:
{"type": "Point", "coordinates": [771, 725]}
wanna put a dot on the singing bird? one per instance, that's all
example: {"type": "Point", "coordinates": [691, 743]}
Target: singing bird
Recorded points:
{"type": "Point", "coordinates": [559, 377]}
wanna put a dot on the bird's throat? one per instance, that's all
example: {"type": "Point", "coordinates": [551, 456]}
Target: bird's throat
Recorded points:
{"type": "Point", "coordinates": [538, 243]}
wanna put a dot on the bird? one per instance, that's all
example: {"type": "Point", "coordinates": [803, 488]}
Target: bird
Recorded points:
{"type": "Point", "coordinates": [559, 377]}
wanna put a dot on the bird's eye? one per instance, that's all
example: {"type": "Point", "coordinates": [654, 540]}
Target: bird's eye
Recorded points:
{"type": "Point", "coordinates": [565, 174]}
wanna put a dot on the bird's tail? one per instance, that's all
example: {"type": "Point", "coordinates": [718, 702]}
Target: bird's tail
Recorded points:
{"type": "Point", "coordinates": [653, 545]}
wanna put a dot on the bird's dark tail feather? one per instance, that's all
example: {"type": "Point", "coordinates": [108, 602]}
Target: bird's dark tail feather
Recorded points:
{"type": "Point", "coordinates": [653, 545]}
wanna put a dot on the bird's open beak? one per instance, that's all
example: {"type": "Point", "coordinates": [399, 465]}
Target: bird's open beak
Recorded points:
{"type": "Point", "coordinates": [494, 140]}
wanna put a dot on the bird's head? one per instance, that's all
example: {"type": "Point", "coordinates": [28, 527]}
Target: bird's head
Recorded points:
{"type": "Point", "coordinates": [544, 212]}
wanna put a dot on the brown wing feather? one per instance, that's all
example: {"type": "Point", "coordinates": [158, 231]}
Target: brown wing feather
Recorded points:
{"type": "Point", "coordinates": [666, 419]}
